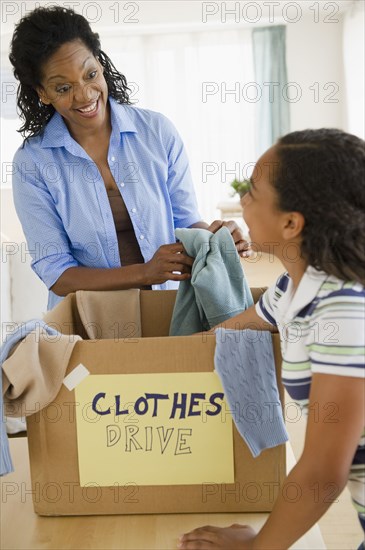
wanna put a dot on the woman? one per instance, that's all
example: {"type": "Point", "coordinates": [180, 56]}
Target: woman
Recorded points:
{"type": "Point", "coordinates": [98, 184]}
{"type": "Point", "coordinates": [308, 195]}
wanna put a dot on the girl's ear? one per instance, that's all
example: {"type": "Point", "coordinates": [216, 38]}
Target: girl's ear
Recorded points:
{"type": "Point", "coordinates": [293, 225]}
{"type": "Point", "coordinates": [42, 95]}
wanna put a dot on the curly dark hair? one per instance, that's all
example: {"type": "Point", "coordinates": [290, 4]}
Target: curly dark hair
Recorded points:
{"type": "Point", "coordinates": [321, 175]}
{"type": "Point", "coordinates": [37, 36]}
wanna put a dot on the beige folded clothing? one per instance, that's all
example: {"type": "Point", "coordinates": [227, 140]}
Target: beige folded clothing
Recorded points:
{"type": "Point", "coordinates": [36, 366]}
{"type": "Point", "coordinates": [33, 374]}
{"type": "Point", "coordinates": [110, 314]}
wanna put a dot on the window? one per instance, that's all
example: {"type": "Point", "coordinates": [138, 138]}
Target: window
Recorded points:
{"type": "Point", "coordinates": [199, 80]}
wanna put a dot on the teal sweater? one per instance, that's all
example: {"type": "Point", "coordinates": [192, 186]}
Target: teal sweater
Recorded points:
{"type": "Point", "coordinates": [217, 289]}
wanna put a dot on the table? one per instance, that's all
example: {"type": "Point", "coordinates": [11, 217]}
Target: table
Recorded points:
{"type": "Point", "coordinates": [21, 528]}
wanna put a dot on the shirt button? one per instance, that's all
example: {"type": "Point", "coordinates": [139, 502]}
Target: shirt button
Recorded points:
{"type": "Point", "coordinates": [113, 159]}
{"type": "Point", "coordinates": [141, 237]}
{"type": "Point", "coordinates": [122, 184]}
{"type": "Point", "coordinates": [134, 210]}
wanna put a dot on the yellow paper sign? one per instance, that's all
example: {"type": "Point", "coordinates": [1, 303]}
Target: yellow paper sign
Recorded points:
{"type": "Point", "coordinates": [153, 429]}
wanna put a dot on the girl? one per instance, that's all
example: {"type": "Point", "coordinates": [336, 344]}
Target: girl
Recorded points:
{"type": "Point", "coordinates": [307, 202]}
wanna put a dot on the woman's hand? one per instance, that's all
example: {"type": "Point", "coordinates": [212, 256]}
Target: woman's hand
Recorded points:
{"type": "Point", "coordinates": [243, 247]}
{"type": "Point", "coordinates": [167, 260]}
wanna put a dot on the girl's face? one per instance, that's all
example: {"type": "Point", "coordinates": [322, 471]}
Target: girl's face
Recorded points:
{"type": "Point", "coordinates": [73, 82]}
{"type": "Point", "coordinates": [265, 221]}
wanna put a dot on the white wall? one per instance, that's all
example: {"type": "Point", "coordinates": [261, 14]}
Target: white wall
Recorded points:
{"type": "Point", "coordinates": [315, 65]}
{"type": "Point", "coordinates": [354, 63]}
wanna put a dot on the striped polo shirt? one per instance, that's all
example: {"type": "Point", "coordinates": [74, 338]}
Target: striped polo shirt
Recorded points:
{"type": "Point", "coordinates": [322, 330]}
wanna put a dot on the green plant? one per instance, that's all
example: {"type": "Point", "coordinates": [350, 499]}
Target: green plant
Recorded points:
{"type": "Point", "coordinates": [240, 187]}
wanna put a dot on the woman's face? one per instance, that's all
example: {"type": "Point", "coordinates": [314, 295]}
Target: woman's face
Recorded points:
{"type": "Point", "coordinates": [73, 82]}
{"type": "Point", "coordinates": [260, 212]}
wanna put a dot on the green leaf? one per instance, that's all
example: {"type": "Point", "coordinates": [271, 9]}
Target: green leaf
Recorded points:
{"type": "Point", "coordinates": [240, 187]}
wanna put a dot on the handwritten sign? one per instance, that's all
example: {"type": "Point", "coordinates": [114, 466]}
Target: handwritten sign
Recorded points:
{"type": "Point", "coordinates": [153, 429]}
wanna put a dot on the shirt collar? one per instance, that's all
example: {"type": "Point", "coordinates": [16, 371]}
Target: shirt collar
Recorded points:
{"type": "Point", "coordinates": [289, 305]}
{"type": "Point", "coordinates": [120, 117]}
{"type": "Point", "coordinates": [56, 133]}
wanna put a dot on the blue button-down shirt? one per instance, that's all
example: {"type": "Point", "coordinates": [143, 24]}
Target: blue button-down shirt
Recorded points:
{"type": "Point", "coordinates": [61, 200]}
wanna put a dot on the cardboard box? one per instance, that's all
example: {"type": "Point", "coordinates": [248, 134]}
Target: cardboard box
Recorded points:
{"type": "Point", "coordinates": [52, 431]}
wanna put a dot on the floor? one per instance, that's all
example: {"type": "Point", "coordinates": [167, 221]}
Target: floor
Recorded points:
{"type": "Point", "coordinates": [339, 526]}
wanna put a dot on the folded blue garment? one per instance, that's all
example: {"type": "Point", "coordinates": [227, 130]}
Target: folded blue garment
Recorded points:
{"type": "Point", "coordinates": [244, 360]}
{"type": "Point", "coordinates": [6, 465]}
{"type": "Point", "coordinates": [217, 289]}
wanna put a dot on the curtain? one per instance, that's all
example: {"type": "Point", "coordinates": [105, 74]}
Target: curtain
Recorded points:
{"type": "Point", "coordinates": [272, 109]}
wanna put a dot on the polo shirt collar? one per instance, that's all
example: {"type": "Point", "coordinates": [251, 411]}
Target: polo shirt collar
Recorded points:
{"type": "Point", "coordinates": [288, 305]}
{"type": "Point", "coordinates": [56, 133]}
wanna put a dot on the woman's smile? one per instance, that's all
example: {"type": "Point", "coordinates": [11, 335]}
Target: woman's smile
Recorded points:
{"type": "Point", "coordinates": [89, 110]}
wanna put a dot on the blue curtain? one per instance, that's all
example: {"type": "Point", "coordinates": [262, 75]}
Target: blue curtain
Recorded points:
{"type": "Point", "coordinates": [272, 115]}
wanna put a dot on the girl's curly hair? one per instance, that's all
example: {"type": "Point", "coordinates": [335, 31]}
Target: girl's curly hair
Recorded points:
{"type": "Point", "coordinates": [321, 174]}
{"type": "Point", "coordinates": [37, 36]}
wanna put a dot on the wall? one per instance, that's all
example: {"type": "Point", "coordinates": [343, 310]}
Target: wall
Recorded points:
{"type": "Point", "coordinates": [354, 63]}
{"type": "Point", "coordinates": [315, 64]}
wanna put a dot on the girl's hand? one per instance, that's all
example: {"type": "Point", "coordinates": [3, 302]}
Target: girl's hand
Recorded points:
{"type": "Point", "coordinates": [243, 247]}
{"type": "Point", "coordinates": [235, 537]}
